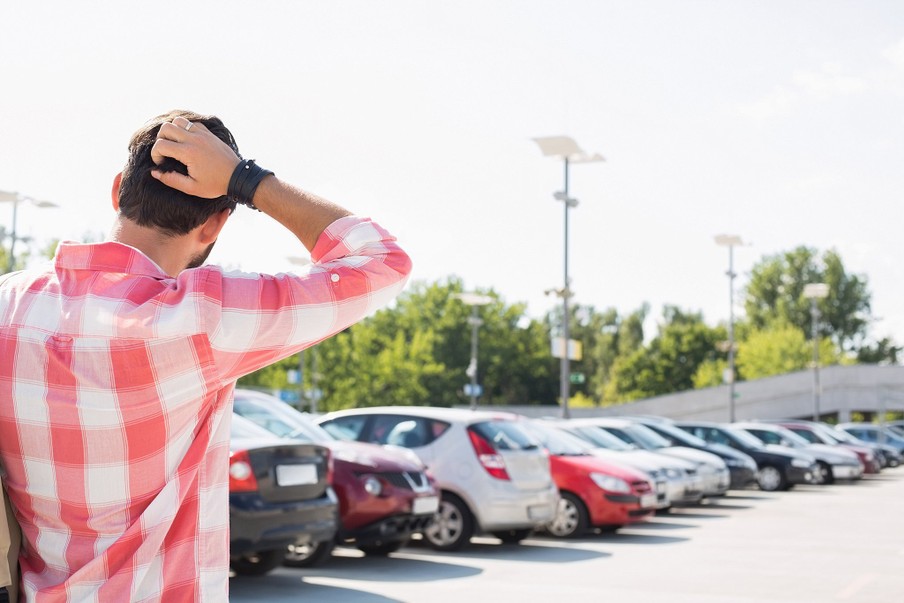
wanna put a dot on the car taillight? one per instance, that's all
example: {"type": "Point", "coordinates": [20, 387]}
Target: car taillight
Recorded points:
{"type": "Point", "coordinates": [241, 475]}
{"type": "Point", "coordinates": [491, 460]}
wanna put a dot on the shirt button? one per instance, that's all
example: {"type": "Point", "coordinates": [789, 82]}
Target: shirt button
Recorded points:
{"type": "Point", "coordinates": [334, 277]}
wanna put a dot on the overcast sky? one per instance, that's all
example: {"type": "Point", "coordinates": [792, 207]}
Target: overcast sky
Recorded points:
{"type": "Point", "coordinates": [777, 121]}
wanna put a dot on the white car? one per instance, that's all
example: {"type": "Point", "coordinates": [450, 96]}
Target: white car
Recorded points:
{"type": "Point", "coordinates": [493, 476]}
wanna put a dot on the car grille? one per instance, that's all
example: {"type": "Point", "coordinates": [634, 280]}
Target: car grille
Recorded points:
{"type": "Point", "coordinates": [406, 480]}
{"type": "Point", "coordinates": [642, 486]}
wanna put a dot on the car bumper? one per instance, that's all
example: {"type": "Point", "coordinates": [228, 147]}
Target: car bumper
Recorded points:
{"type": "Point", "coordinates": [256, 525]}
{"type": "Point", "coordinates": [742, 477]}
{"type": "Point", "coordinates": [388, 529]}
{"type": "Point", "coordinates": [802, 475]}
{"type": "Point", "coordinates": [619, 509]}
{"type": "Point", "coordinates": [686, 491]}
{"type": "Point", "coordinates": [515, 509]}
{"type": "Point", "coordinates": [847, 471]}
{"type": "Point", "coordinates": [716, 483]}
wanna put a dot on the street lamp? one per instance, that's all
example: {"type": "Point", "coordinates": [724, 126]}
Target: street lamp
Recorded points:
{"type": "Point", "coordinates": [474, 300]}
{"type": "Point", "coordinates": [15, 199]}
{"type": "Point", "coordinates": [569, 152]}
{"type": "Point", "coordinates": [730, 241]}
{"type": "Point", "coordinates": [814, 292]}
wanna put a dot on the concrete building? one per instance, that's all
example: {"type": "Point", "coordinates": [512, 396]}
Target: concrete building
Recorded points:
{"type": "Point", "coordinates": [865, 389]}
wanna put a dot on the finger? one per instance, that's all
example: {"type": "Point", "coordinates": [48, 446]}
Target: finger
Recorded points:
{"type": "Point", "coordinates": [173, 132]}
{"type": "Point", "coordinates": [164, 148]}
{"type": "Point", "coordinates": [182, 122]}
{"type": "Point", "coordinates": [175, 180]}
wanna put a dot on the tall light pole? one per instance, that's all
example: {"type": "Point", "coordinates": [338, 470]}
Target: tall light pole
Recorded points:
{"type": "Point", "coordinates": [16, 199]}
{"type": "Point", "coordinates": [569, 152]}
{"type": "Point", "coordinates": [730, 241]}
{"type": "Point", "coordinates": [474, 300]}
{"type": "Point", "coordinates": [815, 292]}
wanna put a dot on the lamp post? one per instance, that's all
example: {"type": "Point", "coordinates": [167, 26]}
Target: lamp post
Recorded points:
{"type": "Point", "coordinates": [474, 300]}
{"type": "Point", "coordinates": [15, 199]}
{"type": "Point", "coordinates": [814, 292]}
{"type": "Point", "coordinates": [730, 241]}
{"type": "Point", "coordinates": [569, 152]}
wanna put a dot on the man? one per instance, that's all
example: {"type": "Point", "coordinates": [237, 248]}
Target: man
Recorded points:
{"type": "Point", "coordinates": [118, 362]}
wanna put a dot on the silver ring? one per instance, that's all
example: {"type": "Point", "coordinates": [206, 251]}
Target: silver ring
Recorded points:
{"type": "Point", "coordinates": [188, 127]}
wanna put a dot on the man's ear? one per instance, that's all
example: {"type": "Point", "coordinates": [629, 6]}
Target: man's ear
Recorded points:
{"type": "Point", "coordinates": [210, 230]}
{"type": "Point", "coordinates": [117, 182]}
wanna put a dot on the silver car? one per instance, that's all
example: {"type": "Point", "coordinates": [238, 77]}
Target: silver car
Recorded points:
{"type": "Point", "coordinates": [493, 476]}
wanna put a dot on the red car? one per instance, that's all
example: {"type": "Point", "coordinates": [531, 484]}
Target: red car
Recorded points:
{"type": "Point", "coordinates": [595, 493]}
{"type": "Point", "coordinates": [815, 433]}
{"type": "Point", "coordinates": [385, 494]}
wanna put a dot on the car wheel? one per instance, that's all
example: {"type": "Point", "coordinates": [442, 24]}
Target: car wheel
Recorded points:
{"type": "Point", "coordinates": [382, 549]}
{"type": "Point", "coordinates": [771, 479]}
{"type": "Point", "coordinates": [308, 555]}
{"type": "Point", "coordinates": [825, 473]}
{"type": "Point", "coordinates": [452, 525]}
{"type": "Point", "coordinates": [893, 462]}
{"type": "Point", "coordinates": [512, 536]}
{"type": "Point", "coordinates": [571, 518]}
{"type": "Point", "coordinates": [256, 564]}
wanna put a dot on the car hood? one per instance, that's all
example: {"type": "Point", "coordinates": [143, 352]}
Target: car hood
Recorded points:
{"type": "Point", "coordinates": [373, 457]}
{"type": "Point", "coordinates": [694, 456]}
{"type": "Point", "coordinates": [832, 454]}
{"type": "Point", "coordinates": [643, 459]}
{"type": "Point", "coordinates": [788, 452]}
{"type": "Point", "coordinates": [597, 464]}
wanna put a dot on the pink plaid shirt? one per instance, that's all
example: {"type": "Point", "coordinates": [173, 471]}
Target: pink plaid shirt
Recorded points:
{"type": "Point", "coordinates": [115, 396]}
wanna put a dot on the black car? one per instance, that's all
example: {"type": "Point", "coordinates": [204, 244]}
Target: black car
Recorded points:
{"type": "Point", "coordinates": [780, 468]}
{"type": "Point", "coordinates": [741, 466]}
{"type": "Point", "coordinates": [279, 496]}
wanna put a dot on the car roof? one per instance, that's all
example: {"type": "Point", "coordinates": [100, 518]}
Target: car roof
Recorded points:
{"type": "Point", "coordinates": [610, 421]}
{"type": "Point", "coordinates": [451, 415]}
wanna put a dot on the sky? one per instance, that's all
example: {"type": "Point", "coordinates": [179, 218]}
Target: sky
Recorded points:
{"type": "Point", "coordinates": [780, 122]}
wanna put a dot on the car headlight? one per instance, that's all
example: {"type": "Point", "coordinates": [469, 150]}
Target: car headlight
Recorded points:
{"type": "Point", "coordinates": [802, 463]}
{"type": "Point", "coordinates": [735, 462]}
{"type": "Point", "coordinates": [373, 486]}
{"type": "Point", "coordinates": [673, 473]}
{"type": "Point", "coordinates": [610, 483]}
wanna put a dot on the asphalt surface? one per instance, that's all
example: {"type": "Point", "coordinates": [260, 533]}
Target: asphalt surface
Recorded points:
{"type": "Point", "coordinates": [814, 544]}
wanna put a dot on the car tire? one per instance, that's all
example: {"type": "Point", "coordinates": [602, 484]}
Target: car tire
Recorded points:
{"type": "Point", "coordinates": [452, 525]}
{"type": "Point", "coordinates": [308, 555]}
{"type": "Point", "coordinates": [825, 473]}
{"type": "Point", "coordinates": [571, 520]}
{"type": "Point", "coordinates": [512, 536]}
{"type": "Point", "coordinates": [256, 564]}
{"type": "Point", "coordinates": [771, 479]}
{"type": "Point", "coordinates": [382, 549]}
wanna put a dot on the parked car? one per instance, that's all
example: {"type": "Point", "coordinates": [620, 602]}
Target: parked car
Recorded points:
{"type": "Point", "coordinates": [595, 493]}
{"type": "Point", "coordinates": [896, 426]}
{"type": "Point", "coordinates": [874, 434]}
{"type": "Point", "coordinates": [741, 467]}
{"type": "Point", "coordinates": [493, 476]}
{"type": "Point", "coordinates": [669, 480]}
{"type": "Point", "coordinates": [834, 463]}
{"type": "Point", "coordinates": [816, 433]}
{"type": "Point", "coordinates": [385, 495]}
{"type": "Point", "coordinates": [889, 456]}
{"type": "Point", "coordinates": [779, 467]}
{"type": "Point", "coordinates": [685, 484]}
{"type": "Point", "coordinates": [712, 469]}
{"type": "Point", "coordinates": [279, 496]}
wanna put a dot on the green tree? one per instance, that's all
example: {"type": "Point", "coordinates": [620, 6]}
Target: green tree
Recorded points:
{"type": "Point", "coordinates": [781, 349]}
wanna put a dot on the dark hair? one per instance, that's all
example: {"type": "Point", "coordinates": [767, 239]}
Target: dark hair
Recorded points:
{"type": "Point", "coordinates": [147, 201]}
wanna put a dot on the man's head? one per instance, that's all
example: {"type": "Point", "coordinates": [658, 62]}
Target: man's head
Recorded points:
{"type": "Point", "coordinates": [150, 203]}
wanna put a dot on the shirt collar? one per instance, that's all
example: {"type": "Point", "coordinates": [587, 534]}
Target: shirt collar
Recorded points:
{"type": "Point", "coordinates": [106, 257]}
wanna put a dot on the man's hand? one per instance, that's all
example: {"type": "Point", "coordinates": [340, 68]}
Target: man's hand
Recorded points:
{"type": "Point", "coordinates": [210, 161]}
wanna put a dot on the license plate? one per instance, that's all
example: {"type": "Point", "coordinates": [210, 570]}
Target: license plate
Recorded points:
{"type": "Point", "coordinates": [296, 475]}
{"type": "Point", "coordinates": [648, 500]}
{"type": "Point", "coordinates": [425, 505]}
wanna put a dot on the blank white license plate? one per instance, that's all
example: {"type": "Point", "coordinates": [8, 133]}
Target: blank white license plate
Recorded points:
{"type": "Point", "coordinates": [424, 505]}
{"type": "Point", "coordinates": [648, 500]}
{"type": "Point", "coordinates": [295, 475]}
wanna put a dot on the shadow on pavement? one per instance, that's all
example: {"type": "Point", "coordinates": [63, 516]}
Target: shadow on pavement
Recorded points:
{"type": "Point", "coordinates": [662, 525]}
{"type": "Point", "coordinates": [625, 536]}
{"type": "Point", "coordinates": [531, 550]}
{"type": "Point", "coordinates": [283, 588]}
{"type": "Point", "coordinates": [396, 568]}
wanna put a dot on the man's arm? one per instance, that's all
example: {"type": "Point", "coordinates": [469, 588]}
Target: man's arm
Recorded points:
{"type": "Point", "coordinates": [210, 164]}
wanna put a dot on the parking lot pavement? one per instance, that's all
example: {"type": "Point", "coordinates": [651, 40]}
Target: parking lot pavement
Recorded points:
{"type": "Point", "coordinates": [815, 544]}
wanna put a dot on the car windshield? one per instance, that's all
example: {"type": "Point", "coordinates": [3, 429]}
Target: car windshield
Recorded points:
{"type": "Point", "coordinates": [796, 440]}
{"type": "Point", "coordinates": [558, 442]}
{"type": "Point", "coordinates": [505, 435]}
{"type": "Point", "coordinates": [598, 437]}
{"type": "Point", "coordinates": [679, 434]}
{"type": "Point", "coordinates": [241, 427]}
{"type": "Point", "coordinates": [745, 438]}
{"type": "Point", "coordinates": [279, 418]}
{"type": "Point", "coordinates": [646, 437]}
